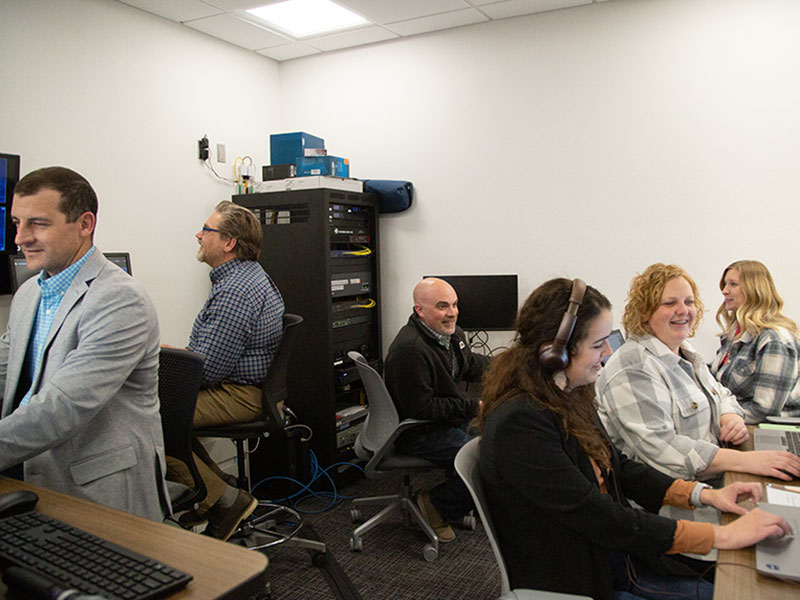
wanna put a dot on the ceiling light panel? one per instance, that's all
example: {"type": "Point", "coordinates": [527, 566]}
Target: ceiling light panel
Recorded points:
{"type": "Point", "coordinates": [389, 11]}
{"type": "Point", "coordinates": [302, 18]}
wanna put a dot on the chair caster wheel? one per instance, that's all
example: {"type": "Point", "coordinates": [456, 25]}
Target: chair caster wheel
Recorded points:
{"type": "Point", "coordinates": [356, 544]}
{"type": "Point", "coordinates": [355, 515]}
{"type": "Point", "coordinates": [430, 552]}
{"type": "Point", "coordinates": [469, 522]}
{"type": "Point", "coordinates": [319, 560]}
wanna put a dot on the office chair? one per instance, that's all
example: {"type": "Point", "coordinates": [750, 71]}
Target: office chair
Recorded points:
{"type": "Point", "coordinates": [180, 373]}
{"type": "Point", "coordinates": [265, 527]}
{"type": "Point", "coordinates": [467, 468]}
{"type": "Point", "coordinates": [375, 444]}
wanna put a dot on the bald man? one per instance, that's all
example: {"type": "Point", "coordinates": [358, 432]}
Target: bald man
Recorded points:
{"type": "Point", "coordinates": [426, 362]}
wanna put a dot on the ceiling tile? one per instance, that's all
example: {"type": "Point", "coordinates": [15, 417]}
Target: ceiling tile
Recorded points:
{"type": "Point", "coordinates": [175, 10]}
{"type": "Point", "coordinates": [237, 4]}
{"type": "Point", "coordinates": [436, 22]}
{"type": "Point", "coordinates": [515, 8]}
{"type": "Point", "coordinates": [388, 11]}
{"type": "Point", "coordinates": [237, 31]}
{"type": "Point", "coordinates": [347, 39]}
{"type": "Point", "coordinates": [288, 51]}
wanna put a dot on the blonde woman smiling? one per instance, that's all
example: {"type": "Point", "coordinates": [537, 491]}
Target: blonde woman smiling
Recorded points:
{"type": "Point", "coordinates": [759, 355]}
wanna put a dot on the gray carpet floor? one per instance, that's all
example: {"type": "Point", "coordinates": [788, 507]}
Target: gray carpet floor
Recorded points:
{"type": "Point", "coordinates": [391, 564]}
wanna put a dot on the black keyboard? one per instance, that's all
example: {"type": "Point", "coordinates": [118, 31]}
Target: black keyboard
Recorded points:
{"type": "Point", "coordinates": [75, 559]}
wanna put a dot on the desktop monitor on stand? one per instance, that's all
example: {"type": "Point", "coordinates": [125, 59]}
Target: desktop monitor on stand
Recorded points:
{"type": "Point", "coordinates": [9, 176]}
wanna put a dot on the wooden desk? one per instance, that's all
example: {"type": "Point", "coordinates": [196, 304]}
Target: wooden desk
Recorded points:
{"type": "Point", "coordinates": [220, 570]}
{"type": "Point", "coordinates": [735, 582]}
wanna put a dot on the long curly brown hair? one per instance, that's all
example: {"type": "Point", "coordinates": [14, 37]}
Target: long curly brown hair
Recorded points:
{"type": "Point", "coordinates": [517, 370]}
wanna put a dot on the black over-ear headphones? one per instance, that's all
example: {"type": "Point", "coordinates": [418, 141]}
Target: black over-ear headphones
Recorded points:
{"type": "Point", "coordinates": [553, 356]}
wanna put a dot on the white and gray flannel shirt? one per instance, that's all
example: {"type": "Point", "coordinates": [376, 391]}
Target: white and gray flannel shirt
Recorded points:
{"type": "Point", "coordinates": [663, 409]}
{"type": "Point", "coordinates": [763, 372]}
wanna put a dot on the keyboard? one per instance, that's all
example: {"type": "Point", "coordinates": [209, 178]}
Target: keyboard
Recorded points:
{"type": "Point", "coordinates": [793, 442]}
{"type": "Point", "coordinates": [75, 559]}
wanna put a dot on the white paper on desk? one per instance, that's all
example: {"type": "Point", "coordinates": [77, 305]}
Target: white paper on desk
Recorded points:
{"type": "Point", "coordinates": [785, 495]}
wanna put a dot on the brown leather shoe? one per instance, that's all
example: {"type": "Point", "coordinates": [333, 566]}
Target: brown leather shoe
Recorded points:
{"type": "Point", "coordinates": [224, 520]}
{"type": "Point", "coordinates": [191, 518]}
{"type": "Point", "coordinates": [440, 527]}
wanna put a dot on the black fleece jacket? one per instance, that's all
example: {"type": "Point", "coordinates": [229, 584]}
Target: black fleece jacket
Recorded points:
{"type": "Point", "coordinates": [418, 375]}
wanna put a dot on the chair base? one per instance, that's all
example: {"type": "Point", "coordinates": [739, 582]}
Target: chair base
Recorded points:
{"type": "Point", "coordinates": [276, 524]}
{"type": "Point", "coordinates": [394, 503]}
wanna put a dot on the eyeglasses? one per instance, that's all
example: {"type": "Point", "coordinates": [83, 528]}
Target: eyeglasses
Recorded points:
{"type": "Point", "coordinates": [205, 228]}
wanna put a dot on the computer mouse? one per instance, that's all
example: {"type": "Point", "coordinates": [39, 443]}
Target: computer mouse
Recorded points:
{"type": "Point", "coordinates": [15, 503]}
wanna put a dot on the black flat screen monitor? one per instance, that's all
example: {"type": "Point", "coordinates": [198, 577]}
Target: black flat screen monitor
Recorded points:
{"type": "Point", "coordinates": [20, 272]}
{"type": "Point", "coordinates": [121, 259]}
{"type": "Point", "coordinates": [485, 302]}
{"type": "Point", "coordinates": [9, 175]}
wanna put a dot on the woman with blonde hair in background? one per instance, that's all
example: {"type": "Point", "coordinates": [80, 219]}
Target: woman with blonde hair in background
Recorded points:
{"type": "Point", "coordinates": [759, 355]}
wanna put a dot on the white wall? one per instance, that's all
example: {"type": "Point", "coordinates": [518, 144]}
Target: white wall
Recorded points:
{"type": "Point", "coordinates": [588, 142]}
{"type": "Point", "coordinates": [585, 142]}
{"type": "Point", "coordinates": [122, 97]}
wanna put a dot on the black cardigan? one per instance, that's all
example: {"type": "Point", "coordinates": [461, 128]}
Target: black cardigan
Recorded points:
{"type": "Point", "coordinates": [418, 374]}
{"type": "Point", "coordinates": [557, 530]}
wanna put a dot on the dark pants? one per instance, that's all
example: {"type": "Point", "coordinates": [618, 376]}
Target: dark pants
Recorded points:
{"type": "Point", "coordinates": [642, 584]}
{"type": "Point", "coordinates": [439, 444]}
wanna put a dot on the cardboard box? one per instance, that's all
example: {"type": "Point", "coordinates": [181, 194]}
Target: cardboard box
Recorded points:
{"type": "Point", "coordinates": [285, 148]}
{"type": "Point", "coordinates": [334, 166]}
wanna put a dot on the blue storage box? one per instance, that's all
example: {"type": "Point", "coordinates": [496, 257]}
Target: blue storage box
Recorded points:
{"type": "Point", "coordinates": [334, 166]}
{"type": "Point", "coordinates": [286, 148]}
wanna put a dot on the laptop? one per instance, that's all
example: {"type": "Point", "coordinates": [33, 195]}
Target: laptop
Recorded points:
{"type": "Point", "coordinates": [776, 439]}
{"type": "Point", "coordinates": [781, 557]}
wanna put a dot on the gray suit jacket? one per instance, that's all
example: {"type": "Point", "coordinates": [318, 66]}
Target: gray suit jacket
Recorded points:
{"type": "Point", "coordinates": [92, 428]}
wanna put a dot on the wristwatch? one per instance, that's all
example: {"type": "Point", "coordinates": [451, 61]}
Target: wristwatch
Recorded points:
{"type": "Point", "coordinates": [695, 497]}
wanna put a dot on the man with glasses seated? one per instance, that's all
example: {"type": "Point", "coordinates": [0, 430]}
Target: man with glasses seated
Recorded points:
{"type": "Point", "coordinates": [237, 332]}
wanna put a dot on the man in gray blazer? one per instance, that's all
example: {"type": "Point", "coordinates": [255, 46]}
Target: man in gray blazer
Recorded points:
{"type": "Point", "coordinates": [79, 362]}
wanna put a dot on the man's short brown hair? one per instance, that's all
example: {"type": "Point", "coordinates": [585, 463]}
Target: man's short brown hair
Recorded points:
{"type": "Point", "coordinates": [241, 224]}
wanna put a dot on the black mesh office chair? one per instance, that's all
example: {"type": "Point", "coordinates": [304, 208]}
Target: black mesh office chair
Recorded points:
{"type": "Point", "coordinates": [180, 373]}
{"type": "Point", "coordinates": [265, 527]}
{"type": "Point", "coordinates": [375, 444]}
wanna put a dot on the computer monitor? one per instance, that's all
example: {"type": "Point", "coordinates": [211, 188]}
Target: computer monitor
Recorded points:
{"type": "Point", "coordinates": [615, 340]}
{"type": "Point", "coordinates": [485, 302]}
{"type": "Point", "coordinates": [121, 259]}
{"type": "Point", "coordinates": [9, 175]}
{"type": "Point", "coordinates": [20, 272]}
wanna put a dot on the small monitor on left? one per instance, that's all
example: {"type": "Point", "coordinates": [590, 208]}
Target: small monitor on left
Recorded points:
{"type": "Point", "coordinates": [20, 272]}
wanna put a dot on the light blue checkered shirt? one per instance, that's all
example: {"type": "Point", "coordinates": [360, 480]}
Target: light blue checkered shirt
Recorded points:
{"type": "Point", "coordinates": [53, 290]}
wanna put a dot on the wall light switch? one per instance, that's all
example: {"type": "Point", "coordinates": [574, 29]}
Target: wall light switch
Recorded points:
{"type": "Point", "coordinates": [221, 153]}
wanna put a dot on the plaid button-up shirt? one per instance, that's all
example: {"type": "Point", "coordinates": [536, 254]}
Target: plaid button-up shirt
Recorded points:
{"type": "Point", "coordinates": [663, 409]}
{"type": "Point", "coordinates": [763, 372]}
{"type": "Point", "coordinates": [239, 328]}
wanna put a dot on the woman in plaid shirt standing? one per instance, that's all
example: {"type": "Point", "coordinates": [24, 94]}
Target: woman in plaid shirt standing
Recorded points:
{"type": "Point", "coordinates": [759, 355]}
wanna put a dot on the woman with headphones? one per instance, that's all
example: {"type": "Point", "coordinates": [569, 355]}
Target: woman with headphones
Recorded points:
{"type": "Point", "coordinates": [556, 487]}
{"type": "Point", "coordinates": [759, 355]}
